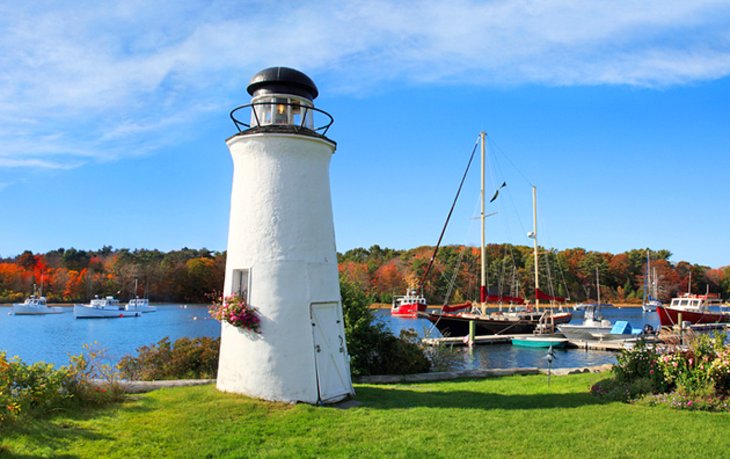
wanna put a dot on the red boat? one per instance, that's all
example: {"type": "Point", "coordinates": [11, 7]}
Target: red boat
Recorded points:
{"type": "Point", "coordinates": [408, 305]}
{"type": "Point", "coordinates": [694, 309]}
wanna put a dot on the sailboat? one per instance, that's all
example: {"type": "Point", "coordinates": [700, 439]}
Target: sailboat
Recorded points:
{"type": "Point", "coordinates": [650, 301]}
{"type": "Point", "coordinates": [453, 323]}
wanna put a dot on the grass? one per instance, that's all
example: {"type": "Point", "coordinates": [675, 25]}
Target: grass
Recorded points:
{"type": "Point", "coordinates": [516, 416]}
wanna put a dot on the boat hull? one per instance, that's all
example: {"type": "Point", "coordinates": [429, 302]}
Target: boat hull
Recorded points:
{"type": "Point", "coordinates": [669, 316]}
{"type": "Point", "coordinates": [458, 324]}
{"type": "Point", "coordinates": [583, 333]}
{"type": "Point", "coordinates": [88, 312]}
{"type": "Point", "coordinates": [409, 310]}
{"type": "Point", "coordinates": [540, 342]}
{"type": "Point", "coordinates": [26, 310]}
{"type": "Point", "coordinates": [144, 309]}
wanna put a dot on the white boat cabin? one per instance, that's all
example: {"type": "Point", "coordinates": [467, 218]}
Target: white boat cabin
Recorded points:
{"type": "Point", "coordinates": [35, 301]}
{"type": "Point", "coordinates": [688, 302]}
{"type": "Point", "coordinates": [411, 297]}
{"type": "Point", "coordinates": [108, 302]}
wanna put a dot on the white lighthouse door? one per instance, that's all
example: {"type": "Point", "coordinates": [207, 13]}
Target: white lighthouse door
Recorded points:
{"type": "Point", "coordinates": [333, 379]}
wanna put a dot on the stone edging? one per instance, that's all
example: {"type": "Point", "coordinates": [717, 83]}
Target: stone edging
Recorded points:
{"type": "Point", "coordinates": [475, 374]}
{"type": "Point", "coordinates": [138, 387]}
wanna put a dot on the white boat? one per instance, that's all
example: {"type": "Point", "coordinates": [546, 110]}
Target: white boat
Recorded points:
{"type": "Point", "coordinates": [140, 304]}
{"type": "Point", "coordinates": [35, 305]}
{"type": "Point", "coordinates": [103, 308]}
{"type": "Point", "coordinates": [650, 302]}
{"type": "Point", "coordinates": [594, 327]}
{"type": "Point", "coordinates": [593, 324]}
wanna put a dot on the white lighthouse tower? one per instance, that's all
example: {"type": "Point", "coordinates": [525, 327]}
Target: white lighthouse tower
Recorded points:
{"type": "Point", "coordinates": [281, 249]}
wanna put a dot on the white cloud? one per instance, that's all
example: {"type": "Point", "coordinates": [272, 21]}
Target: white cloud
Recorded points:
{"type": "Point", "coordinates": [99, 78]}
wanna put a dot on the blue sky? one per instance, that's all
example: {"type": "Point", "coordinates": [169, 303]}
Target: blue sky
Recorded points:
{"type": "Point", "coordinates": [113, 119]}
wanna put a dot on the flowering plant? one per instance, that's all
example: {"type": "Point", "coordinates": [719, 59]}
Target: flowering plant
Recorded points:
{"type": "Point", "coordinates": [234, 310]}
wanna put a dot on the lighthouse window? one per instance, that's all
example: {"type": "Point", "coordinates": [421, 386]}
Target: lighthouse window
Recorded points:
{"type": "Point", "coordinates": [241, 283]}
{"type": "Point", "coordinates": [281, 111]}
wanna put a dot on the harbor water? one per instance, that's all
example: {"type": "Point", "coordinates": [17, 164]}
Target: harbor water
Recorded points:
{"type": "Point", "coordinates": [53, 338]}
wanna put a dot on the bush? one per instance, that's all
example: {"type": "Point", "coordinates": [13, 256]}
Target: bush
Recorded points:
{"type": "Point", "coordinates": [372, 348]}
{"type": "Point", "coordinates": [30, 389]}
{"type": "Point", "coordinates": [195, 358]}
{"type": "Point", "coordinates": [640, 363]}
{"type": "Point", "coordinates": [93, 378]}
{"type": "Point", "coordinates": [696, 377]}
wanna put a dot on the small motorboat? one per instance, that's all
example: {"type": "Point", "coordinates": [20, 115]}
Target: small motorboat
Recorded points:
{"type": "Point", "coordinates": [103, 308]}
{"type": "Point", "coordinates": [541, 341]}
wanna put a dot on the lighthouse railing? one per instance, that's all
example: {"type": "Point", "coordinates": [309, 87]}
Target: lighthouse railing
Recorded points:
{"type": "Point", "coordinates": [241, 126]}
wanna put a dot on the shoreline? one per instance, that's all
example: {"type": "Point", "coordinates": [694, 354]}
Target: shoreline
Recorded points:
{"type": "Point", "coordinates": [569, 306]}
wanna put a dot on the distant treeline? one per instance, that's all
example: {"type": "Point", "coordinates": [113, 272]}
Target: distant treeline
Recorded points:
{"type": "Point", "coordinates": [71, 275]}
{"type": "Point", "coordinates": [567, 273]}
{"type": "Point", "coordinates": [194, 275]}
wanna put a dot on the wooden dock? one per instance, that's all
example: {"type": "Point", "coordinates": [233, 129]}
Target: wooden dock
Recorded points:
{"type": "Point", "coordinates": [479, 339]}
{"type": "Point", "coordinates": [609, 345]}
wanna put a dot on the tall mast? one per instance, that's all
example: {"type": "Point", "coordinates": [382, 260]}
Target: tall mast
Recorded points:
{"type": "Point", "coordinates": [689, 284]}
{"type": "Point", "coordinates": [598, 288]}
{"type": "Point", "coordinates": [483, 286]}
{"type": "Point", "coordinates": [534, 238]}
{"type": "Point", "coordinates": [647, 279]}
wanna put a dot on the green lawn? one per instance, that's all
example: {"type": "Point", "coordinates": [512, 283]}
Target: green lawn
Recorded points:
{"type": "Point", "coordinates": [517, 416]}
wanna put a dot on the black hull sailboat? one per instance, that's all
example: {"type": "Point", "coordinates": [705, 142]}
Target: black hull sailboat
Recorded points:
{"type": "Point", "coordinates": [452, 323]}
{"type": "Point", "coordinates": [508, 324]}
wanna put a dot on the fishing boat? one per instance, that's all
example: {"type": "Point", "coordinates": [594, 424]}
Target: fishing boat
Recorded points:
{"type": "Point", "coordinates": [693, 308]}
{"type": "Point", "coordinates": [452, 323]}
{"type": "Point", "coordinates": [408, 305]}
{"type": "Point", "coordinates": [103, 308]}
{"type": "Point", "coordinates": [650, 301]}
{"type": "Point", "coordinates": [139, 304]}
{"type": "Point", "coordinates": [540, 341]}
{"type": "Point", "coordinates": [35, 305]}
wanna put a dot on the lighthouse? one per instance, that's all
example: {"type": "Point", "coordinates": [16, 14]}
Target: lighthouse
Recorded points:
{"type": "Point", "coordinates": [281, 248]}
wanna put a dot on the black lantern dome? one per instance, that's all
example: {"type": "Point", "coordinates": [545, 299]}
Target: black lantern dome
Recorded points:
{"type": "Point", "coordinates": [282, 80]}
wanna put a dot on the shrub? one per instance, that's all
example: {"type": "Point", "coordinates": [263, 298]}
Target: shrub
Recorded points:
{"type": "Point", "coordinates": [187, 358]}
{"type": "Point", "coordinates": [30, 389]}
{"type": "Point", "coordinates": [696, 377]}
{"type": "Point", "coordinates": [93, 378]}
{"type": "Point", "coordinates": [373, 349]}
{"type": "Point", "coordinates": [641, 362]}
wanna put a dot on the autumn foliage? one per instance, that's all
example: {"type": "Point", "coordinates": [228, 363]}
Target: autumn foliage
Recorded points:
{"type": "Point", "coordinates": [190, 275]}
{"type": "Point", "coordinates": [72, 275]}
{"type": "Point", "coordinates": [567, 273]}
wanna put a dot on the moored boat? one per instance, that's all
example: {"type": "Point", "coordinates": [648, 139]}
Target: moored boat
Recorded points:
{"type": "Point", "coordinates": [35, 305]}
{"type": "Point", "coordinates": [408, 305]}
{"type": "Point", "coordinates": [540, 341]}
{"type": "Point", "coordinates": [496, 323]}
{"type": "Point", "coordinates": [452, 323]}
{"type": "Point", "coordinates": [140, 305]}
{"type": "Point", "coordinates": [695, 309]}
{"type": "Point", "coordinates": [103, 308]}
{"type": "Point", "coordinates": [592, 326]}
{"type": "Point", "coordinates": [650, 301]}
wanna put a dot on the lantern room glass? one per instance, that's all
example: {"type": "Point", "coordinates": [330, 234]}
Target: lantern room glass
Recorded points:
{"type": "Point", "coordinates": [281, 110]}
